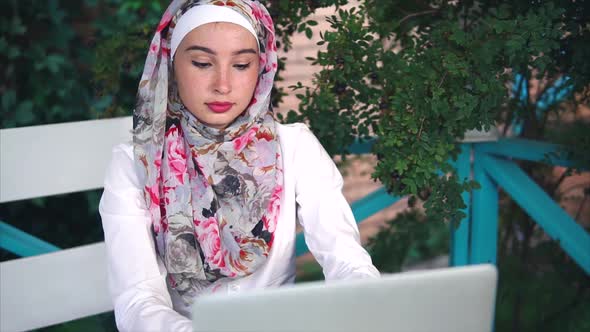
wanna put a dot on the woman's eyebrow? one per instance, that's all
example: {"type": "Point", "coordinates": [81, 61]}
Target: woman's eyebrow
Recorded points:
{"type": "Point", "coordinates": [200, 48]}
{"type": "Point", "coordinates": [210, 51]}
{"type": "Point", "coordinates": [245, 51]}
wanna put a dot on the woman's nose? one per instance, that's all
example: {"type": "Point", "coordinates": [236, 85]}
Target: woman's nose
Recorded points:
{"type": "Point", "coordinates": [222, 83]}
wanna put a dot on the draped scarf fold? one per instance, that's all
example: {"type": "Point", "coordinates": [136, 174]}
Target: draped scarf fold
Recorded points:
{"type": "Point", "coordinates": [213, 195]}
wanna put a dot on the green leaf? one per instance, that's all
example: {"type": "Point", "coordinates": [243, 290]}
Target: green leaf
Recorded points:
{"type": "Point", "coordinates": [24, 115]}
{"type": "Point", "coordinates": [17, 27]}
{"type": "Point", "coordinates": [8, 99]}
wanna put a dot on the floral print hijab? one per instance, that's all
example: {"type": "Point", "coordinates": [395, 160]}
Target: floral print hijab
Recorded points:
{"type": "Point", "coordinates": [213, 195]}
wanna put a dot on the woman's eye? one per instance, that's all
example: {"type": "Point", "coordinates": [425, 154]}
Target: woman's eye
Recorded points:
{"type": "Point", "coordinates": [242, 66]}
{"type": "Point", "coordinates": [201, 65]}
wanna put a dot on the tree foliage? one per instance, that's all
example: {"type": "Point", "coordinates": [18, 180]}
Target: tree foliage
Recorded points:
{"type": "Point", "coordinates": [420, 74]}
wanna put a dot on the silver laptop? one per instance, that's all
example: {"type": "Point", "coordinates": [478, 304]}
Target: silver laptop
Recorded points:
{"type": "Point", "coordinates": [450, 299]}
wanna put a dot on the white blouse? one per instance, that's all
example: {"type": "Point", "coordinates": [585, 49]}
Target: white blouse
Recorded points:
{"type": "Point", "coordinates": [312, 194]}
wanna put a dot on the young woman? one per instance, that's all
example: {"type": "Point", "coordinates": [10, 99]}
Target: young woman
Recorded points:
{"type": "Point", "coordinates": [207, 197]}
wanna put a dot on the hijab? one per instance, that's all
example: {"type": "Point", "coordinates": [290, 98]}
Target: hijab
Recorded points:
{"type": "Point", "coordinates": [213, 194]}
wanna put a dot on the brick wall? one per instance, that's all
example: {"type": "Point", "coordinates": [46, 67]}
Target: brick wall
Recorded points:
{"type": "Point", "coordinates": [298, 69]}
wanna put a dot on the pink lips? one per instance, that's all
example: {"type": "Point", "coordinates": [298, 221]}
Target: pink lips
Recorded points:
{"type": "Point", "coordinates": [219, 107]}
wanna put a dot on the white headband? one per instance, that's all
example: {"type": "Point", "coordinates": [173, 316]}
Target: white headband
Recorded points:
{"type": "Point", "coordinates": [203, 14]}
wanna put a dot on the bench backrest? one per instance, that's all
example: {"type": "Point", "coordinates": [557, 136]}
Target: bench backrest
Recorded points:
{"type": "Point", "coordinates": [48, 160]}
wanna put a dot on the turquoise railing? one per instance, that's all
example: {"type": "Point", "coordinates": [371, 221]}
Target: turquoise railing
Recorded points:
{"type": "Point", "coordinates": [475, 240]}
{"type": "Point", "coordinates": [22, 244]}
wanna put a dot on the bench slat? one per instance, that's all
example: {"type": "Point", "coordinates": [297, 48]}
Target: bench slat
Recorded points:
{"type": "Point", "coordinates": [54, 288]}
{"type": "Point", "coordinates": [58, 158]}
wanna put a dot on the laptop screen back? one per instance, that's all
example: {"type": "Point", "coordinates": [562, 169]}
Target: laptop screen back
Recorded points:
{"type": "Point", "coordinates": [450, 299]}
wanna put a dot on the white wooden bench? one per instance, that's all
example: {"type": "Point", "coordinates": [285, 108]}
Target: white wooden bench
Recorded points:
{"type": "Point", "coordinates": [48, 160]}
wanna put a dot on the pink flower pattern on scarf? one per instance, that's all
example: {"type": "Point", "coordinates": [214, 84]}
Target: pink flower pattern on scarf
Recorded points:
{"type": "Point", "coordinates": [213, 195]}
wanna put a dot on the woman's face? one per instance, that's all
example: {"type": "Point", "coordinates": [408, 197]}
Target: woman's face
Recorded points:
{"type": "Point", "coordinates": [216, 68]}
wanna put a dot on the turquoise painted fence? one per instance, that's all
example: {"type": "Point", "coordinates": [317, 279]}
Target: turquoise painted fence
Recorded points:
{"type": "Point", "coordinates": [21, 243]}
{"type": "Point", "coordinates": [475, 241]}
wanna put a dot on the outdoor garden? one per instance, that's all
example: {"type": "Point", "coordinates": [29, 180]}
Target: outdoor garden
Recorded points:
{"type": "Point", "coordinates": [404, 79]}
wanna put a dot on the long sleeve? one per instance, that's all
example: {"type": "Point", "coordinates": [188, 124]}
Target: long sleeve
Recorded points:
{"type": "Point", "coordinates": [330, 230]}
{"type": "Point", "coordinates": [136, 275]}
